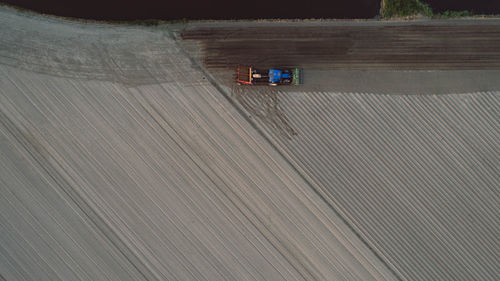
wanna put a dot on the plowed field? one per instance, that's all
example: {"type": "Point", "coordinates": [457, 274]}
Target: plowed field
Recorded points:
{"type": "Point", "coordinates": [442, 47]}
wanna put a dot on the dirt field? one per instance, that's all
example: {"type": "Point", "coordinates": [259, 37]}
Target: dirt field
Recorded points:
{"type": "Point", "coordinates": [122, 158]}
{"type": "Point", "coordinates": [416, 47]}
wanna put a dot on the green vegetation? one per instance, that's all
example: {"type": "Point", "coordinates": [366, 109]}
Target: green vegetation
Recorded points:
{"type": "Point", "coordinates": [453, 14]}
{"type": "Point", "coordinates": [403, 8]}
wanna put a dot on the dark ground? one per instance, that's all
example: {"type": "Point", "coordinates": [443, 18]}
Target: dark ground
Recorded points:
{"type": "Point", "coordinates": [487, 7]}
{"type": "Point", "coordinates": [202, 9]}
{"type": "Point", "coordinates": [230, 9]}
{"type": "Point", "coordinates": [424, 47]}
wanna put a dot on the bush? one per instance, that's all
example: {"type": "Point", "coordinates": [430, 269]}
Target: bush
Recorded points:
{"type": "Point", "coordinates": [402, 8]}
{"type": "Point", "coordinates": [453, 14]}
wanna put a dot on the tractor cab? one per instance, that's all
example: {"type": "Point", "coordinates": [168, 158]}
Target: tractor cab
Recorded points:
{"type": "Point", "coordinates": [278, 76]}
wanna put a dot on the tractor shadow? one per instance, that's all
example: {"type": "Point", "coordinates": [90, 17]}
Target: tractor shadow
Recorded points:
{"type": "Point", "coordinates": [263, 103]}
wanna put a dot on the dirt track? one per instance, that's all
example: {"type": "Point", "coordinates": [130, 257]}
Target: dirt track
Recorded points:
{"type": "Point", "coordinates": [352, 47]}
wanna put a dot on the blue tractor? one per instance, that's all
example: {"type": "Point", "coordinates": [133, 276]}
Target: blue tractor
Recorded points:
{"type": "Point", "coordinates": [279, 76]}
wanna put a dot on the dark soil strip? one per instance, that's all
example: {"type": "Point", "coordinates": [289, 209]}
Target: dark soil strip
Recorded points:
{"type": "Point", "coordinates": [352, 47]}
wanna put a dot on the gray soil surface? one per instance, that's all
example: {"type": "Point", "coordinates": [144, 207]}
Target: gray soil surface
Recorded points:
{"type": "Point", "coordinates": [120, 161]}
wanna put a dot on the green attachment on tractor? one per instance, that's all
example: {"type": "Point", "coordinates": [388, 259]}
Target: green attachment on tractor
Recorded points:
{"type": "Point", "coordinates": [297, 76]}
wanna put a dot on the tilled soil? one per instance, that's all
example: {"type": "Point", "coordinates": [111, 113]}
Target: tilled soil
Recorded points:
{"type": "Point", "coordinates": [441, 47]}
